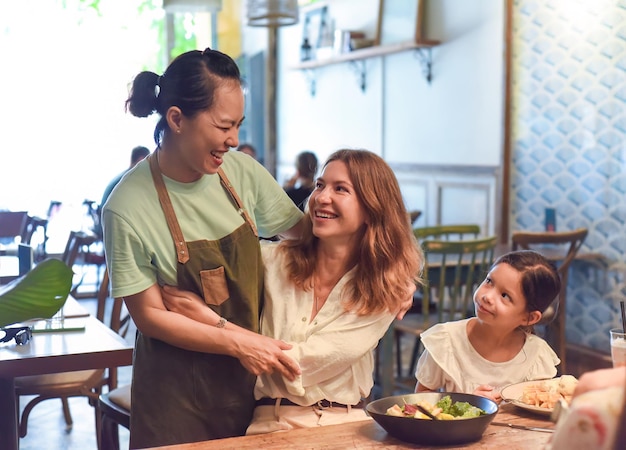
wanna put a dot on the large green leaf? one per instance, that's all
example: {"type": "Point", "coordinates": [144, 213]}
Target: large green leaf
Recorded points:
{"type": "Point", "coordinates": [39, 293]}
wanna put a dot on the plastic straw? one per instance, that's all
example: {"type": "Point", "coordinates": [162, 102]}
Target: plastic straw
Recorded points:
{"type": "Point", "coordinates": [621, 304]}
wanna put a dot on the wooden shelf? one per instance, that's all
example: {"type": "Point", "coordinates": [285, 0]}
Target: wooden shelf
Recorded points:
{"type": "Point", "coordinates": [357, 58]}
{"type": "Point", "coordinates": [365, 53]}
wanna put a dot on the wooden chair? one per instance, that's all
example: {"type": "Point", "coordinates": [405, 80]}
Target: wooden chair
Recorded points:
{"type": "Point", "coordinates": [561, 248]}
{"type": "Point", "coordinates": [33, 224]}
{"type": "Point", "coordinates": [12, 225]}
{"type": "Point", "coordinates": [77, 251]}
{"type": "Point", "coordinates": [115, 409]}
{"type": "Point", "coordinates": [452, 271]}
{"type": "Point", "coordinates": [82, 383]}
{"type": "Point", "coordinates": [414, 215]}
{"type": "Point", "coordinates": [447, 232]}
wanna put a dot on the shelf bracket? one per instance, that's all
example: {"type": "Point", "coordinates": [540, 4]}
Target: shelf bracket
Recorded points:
{"type": "Point", "coordinates": [358, 66]}
{"type": "Point", "coordinates": [424, 55]}
{"type": "Point", "coordinates": [310, 78]}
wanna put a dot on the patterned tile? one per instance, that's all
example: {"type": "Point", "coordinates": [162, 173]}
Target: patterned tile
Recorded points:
{"type": "Point", "coordinates": [569, 84]}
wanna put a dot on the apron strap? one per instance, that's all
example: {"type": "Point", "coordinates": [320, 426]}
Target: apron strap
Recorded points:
{"type": "Point", "coordinates": [182, 253]}
{"type": "Point", "coordinates": [233, 194]}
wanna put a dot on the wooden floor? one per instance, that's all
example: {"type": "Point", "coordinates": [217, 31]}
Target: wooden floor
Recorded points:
{"type": "Point", "coordinates": [46, 426]}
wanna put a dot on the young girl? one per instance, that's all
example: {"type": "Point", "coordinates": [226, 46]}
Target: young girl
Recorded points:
{"type": "Point", "coordinates": [482, 354]}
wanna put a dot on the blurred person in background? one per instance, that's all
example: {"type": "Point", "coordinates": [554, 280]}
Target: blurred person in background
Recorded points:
{"type": "Point", "coordinates": [302, 183]}
{"type": "Point", "coordinates": [248, 149]}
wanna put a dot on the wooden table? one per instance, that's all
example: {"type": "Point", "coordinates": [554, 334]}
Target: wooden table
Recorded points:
{"type": "Point", "coordinates": [368, 434]}
{"type": "Point", "coordinates": [95, 347]}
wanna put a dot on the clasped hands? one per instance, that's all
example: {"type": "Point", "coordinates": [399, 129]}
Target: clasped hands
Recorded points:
{"type": "Point", "coordinates": [257, 353]}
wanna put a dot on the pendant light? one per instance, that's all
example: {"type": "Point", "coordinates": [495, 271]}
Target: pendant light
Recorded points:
{"type": "Point", "coordinates": [272, 13]}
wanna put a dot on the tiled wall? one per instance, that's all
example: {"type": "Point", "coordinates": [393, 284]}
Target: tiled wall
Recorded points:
{"type": "Point", "coordinates": [569, 134]}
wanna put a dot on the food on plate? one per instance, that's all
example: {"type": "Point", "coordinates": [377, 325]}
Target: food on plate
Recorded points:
{"type": "Point", "coordinates": [444, 409]}
{"type": "Point", "coordinates": [590, 422]}
{"type": "Point", "coordinates": [546, 393]}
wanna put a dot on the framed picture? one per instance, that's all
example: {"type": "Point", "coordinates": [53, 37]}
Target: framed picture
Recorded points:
{"type": "Point", "coordinates": [315, 23]}
{"type": "Point", "coordinates": [400, 21]}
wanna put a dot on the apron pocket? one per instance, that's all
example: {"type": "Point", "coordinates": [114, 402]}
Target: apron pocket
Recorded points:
{"type": "Point", "coordinates": [214, 286]}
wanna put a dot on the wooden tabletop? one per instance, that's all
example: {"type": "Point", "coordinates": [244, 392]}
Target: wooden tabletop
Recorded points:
{"type": "Point", "coordinates": [368, 434]}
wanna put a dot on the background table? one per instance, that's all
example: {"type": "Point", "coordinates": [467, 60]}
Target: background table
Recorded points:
{"type": "Point", "coordinates": [94, 348]}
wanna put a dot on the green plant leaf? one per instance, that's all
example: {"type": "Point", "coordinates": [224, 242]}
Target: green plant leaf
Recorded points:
{"type": "Point", "coordinates": [39, 293]}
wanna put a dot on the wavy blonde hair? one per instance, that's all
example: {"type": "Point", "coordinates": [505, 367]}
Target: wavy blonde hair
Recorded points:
{"type": "Point", "coordinates": [389, 257]}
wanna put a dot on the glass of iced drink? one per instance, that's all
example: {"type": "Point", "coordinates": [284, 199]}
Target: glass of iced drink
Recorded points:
{"type": "Point", "coordinates": [618, 347]}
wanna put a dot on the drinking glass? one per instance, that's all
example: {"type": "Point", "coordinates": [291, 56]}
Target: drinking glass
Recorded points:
{"type": "Point", "coordinates": [57, 320]}
{"type": "Point", "coordinates": [618, 347]}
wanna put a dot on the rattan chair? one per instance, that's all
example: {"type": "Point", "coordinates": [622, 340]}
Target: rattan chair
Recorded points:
{"type": "Point", "coordinates": [562, 248]}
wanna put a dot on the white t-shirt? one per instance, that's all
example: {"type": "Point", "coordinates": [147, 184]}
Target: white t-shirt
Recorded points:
{"type": "Point", "coordinates": [139, 247]}
{"type": "Point", "coordinates": [450, 362]}
{"type": "Point", "coordinates": [334, 351]}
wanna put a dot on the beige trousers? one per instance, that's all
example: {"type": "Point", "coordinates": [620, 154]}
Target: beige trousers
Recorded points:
{"type": "Point", "coordinates": [268, 418]}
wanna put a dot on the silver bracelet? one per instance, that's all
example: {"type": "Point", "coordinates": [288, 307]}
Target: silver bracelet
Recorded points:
{"type": "Point", "coordinates": [221, 323]}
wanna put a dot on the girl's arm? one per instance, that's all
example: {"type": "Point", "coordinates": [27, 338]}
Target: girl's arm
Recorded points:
{"type": "Point", "coordinates": [258, 354]}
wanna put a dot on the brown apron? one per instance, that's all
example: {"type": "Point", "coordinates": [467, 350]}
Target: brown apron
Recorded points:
{"type": "Point", "coordinates": [183, 396]}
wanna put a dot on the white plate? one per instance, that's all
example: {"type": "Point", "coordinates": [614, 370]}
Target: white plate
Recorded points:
{"type": "Point", "coordinates": [513, 393]}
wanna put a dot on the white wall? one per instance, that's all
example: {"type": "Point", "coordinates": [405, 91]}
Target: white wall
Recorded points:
{"type": "Point", "coordinates": [456, 119]}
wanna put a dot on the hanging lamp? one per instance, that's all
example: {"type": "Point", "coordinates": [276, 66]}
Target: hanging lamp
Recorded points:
{"type": "Point", "coordinates": [272, 13]}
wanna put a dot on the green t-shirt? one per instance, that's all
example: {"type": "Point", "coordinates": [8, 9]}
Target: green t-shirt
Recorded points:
{"type": "Point", "coordinates": [139, 247]}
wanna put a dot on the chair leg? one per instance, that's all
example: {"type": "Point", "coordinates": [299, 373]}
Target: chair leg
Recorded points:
{"type": "Point", "coordinates": [109, 434]}
{"type": "Point", "coordinates": [398, 336]}
{"type": "Point", "coordinates": [98, 417]}
{"type": "Point", "coordinates": [66, 413]}
{"type": "Point", "coordinates": [414, 356]}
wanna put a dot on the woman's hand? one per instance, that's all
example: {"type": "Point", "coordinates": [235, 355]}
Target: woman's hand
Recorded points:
{"type": "Point", "coordinates": [485, 390]}
{"type": "Point", "coordinates": [257, 353]}
{"type": "Point", "coordinates": [188, 304]}
{"type": "Point", "coordinates": [261, 354]}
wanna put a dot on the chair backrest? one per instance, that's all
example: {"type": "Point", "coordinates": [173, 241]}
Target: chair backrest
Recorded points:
{"type": "Point", "coordinates": [414, 214]}
{"type": "Point", "coordinates": [74, 246]}
{"type": "Point", "coordinates": [447, 232]}
{"type": "Point", "coordinates": [32, 223]}
{"type": "Point", "coordinates": [562, 246]}
{"type": "Point", "coordinates": [12, 224]}
{"type": "Point", "coordinates": [552, 243]}
{"type": "Point", "coordinates": [452, 271]}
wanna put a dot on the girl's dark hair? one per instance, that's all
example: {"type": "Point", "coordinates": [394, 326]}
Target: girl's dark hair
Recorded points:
{"type": "Point", "coordinates": [189, 83]}
{"type": "Point", "coordinates": [540, 280]}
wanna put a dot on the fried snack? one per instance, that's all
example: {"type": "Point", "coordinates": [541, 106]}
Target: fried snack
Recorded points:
{"type": "Point", "coordinates": [545, 394]}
